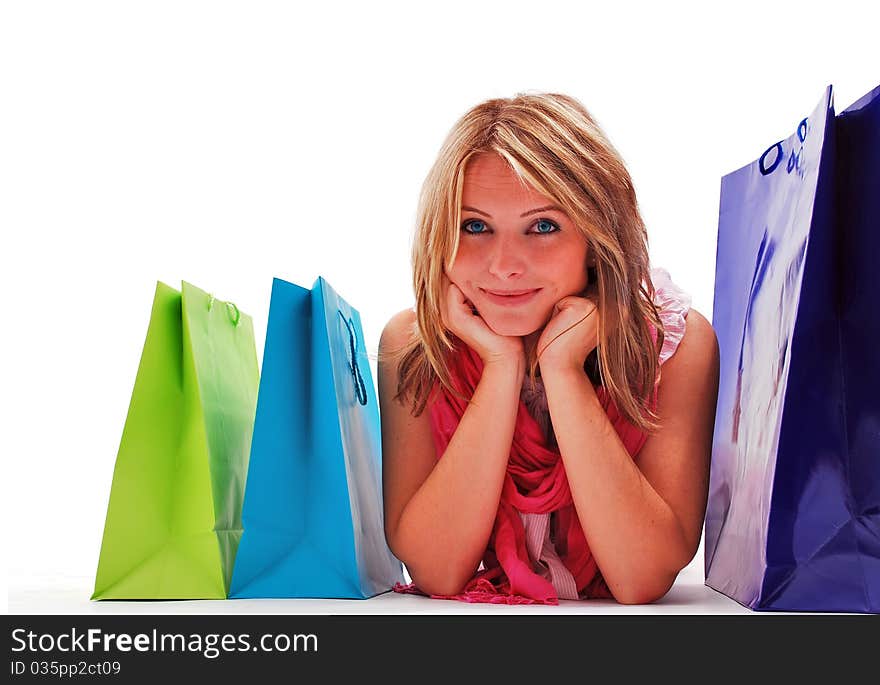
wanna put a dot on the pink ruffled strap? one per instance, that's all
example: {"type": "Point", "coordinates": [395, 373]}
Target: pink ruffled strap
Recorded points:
{"type": "Point", "coordinates": [673, 305]}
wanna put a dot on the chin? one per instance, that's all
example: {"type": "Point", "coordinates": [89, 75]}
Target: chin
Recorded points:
{"type": "Point", "coordinates": [514, 324]}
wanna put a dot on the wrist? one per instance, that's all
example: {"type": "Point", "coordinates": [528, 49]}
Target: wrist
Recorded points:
{"type": "Point", "coordinates": [513, 354]}
{"type": "Point", "coordinates": [513, 365]}
{"type": "Point", "coordinates": [565, 375]}
{"type": "Point", "coordinates": [561, 367]}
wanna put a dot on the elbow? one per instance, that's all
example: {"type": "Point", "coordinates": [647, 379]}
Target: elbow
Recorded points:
{"type": "Point", "coordinates": [647, 587]}
{"type": "Point", "coordinates": [430, 578]}
{"type": "Point", "coordinates": [644, 593]}
{"type": "Point", "coordinates": [640, 597]}
{"type": "Point", "coordinates": [431, 573]}
{"type": "Point", "coordinates": [437, 584]}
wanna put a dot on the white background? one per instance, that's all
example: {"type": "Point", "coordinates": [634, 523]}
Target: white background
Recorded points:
{"type": "Point", "coordinates": [226, 143]}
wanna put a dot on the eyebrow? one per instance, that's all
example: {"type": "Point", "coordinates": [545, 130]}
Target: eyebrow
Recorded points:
{"type": "Point", "coordinates": [547, 208]}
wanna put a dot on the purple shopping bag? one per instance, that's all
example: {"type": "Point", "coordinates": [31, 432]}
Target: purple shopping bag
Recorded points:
{"type": "Point", "coordinates": [793, 519]}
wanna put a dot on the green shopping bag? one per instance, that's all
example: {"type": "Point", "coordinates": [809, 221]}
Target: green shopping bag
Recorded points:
{"type": "Point", "coordinates": [174, 518]}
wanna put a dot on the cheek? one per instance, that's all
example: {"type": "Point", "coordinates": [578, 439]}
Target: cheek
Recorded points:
{"type": "Point", "coordinates": [566, 269]}
{"type": "Point", "coordinates": [578, 276]}
{"type": "Point", "coordinates": [463, 271]}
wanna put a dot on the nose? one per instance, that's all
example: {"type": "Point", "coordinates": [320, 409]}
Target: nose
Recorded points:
{"type": "Point", "coordinates": [505, 259]}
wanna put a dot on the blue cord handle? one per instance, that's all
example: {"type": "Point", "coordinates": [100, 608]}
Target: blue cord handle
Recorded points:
{"type": "Point", "coordinates": [792, 161]}
{"type": "Point", "coordinates": [765, 170]}
{"type": "Point", "coordinates": [359, 388]}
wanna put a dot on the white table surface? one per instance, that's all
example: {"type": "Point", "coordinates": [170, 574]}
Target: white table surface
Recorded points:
{"type": "Point", "coordinates": [59, 594]}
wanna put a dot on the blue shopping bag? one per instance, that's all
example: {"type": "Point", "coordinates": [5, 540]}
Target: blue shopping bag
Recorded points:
{"type": "Point", "coordinates": [793, 518]}
{"type": "Point", "coordinates": [312, 512]}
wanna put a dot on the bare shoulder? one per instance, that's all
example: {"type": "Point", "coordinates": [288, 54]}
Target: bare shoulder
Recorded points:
{"type": "Point", "coordinates": [689, 378]}
{"type": "Point", "coordinates": [397, 331]}
{"type": "Point", "coordinates": [698, 348]}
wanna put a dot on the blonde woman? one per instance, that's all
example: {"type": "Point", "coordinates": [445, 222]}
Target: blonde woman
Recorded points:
{"type": "Point", "coordinates": [532, 449]}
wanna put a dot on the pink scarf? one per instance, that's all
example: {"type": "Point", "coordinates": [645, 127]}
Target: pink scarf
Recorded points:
{"type": "Point", "coordinates": [535, 482]}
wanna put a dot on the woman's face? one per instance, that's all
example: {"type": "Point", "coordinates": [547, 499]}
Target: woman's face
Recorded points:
{"type": "Point", "coordinates": [517, 254]}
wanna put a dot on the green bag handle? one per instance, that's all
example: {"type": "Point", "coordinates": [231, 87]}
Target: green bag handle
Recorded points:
{"type": "Point", "coordinates": [231, 310]}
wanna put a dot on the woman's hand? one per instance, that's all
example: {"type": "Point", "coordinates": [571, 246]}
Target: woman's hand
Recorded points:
{"type": "Point", "coordinates": [570, 336]}
{"type": "Point", "coordinates": [460, 317]}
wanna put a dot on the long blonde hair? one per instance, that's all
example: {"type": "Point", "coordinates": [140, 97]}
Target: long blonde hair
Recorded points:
{"type": "Point", "coordinates": [552, 143]}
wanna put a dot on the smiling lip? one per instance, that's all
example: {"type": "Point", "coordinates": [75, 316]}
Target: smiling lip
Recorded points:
{"type": "Point", "coordinates": [510, 297]}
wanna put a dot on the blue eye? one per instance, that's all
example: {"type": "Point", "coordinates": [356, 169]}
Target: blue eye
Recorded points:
{"type": "Point", "coordinates": [545, 226]}
{"type": "Point", "coordinates": [474, 226]}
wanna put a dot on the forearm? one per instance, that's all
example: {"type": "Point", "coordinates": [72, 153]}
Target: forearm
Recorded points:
{"type": "Point", "coordinates": [633, 534]}
{"type": "Point", "coordinates": [443, 531]}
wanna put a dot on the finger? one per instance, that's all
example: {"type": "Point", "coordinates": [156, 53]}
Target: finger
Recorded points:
{"type": "Point", "coordinates": [452, 305]}
{"type": "Point", "coordinates": [561, 306]}
{"type": "Point", "coordinates": [570, 301]}
{"type": "Point", "coordinates": [446, 300]}
{"type": "Point", "coordinates": [448, 290]}
{"type": "Point", "coordinates": [457, 298]}
{"type": "Point", "coordinates": [584, 304]}
{"type": "Point", "coordinates": [444, 282]}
